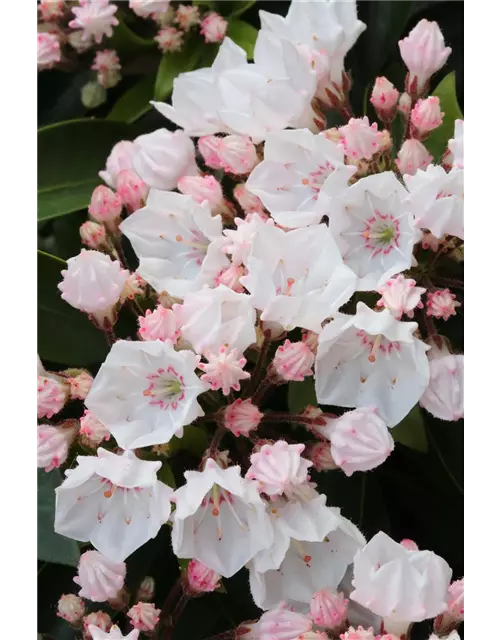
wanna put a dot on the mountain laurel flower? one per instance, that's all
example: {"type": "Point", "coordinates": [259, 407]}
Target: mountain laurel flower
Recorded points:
{"type": "Point", "coordinates": [224, 370]}
{"type": "Point", "coordinates": [53, 444]}
{"type": "Point", "coordinates": [426, 116]}
{"type": "Point", "coordinates": [456, 146]}
{"type": "Point", "coordinates": [187, 16]}
{"type": "Point", "coordinates": [293, 361]}
{"type": "Point", "coordinates": [70, 608]}
{"type": "Point", "coordinates": [170, 39]}
{"type": "Point", "coordinates": [359, 634]}
{"type": "Point", "coordinates": [283, 624]}
{"type": "Point", "coordinates": [412, 156]}
{"type": "Point", "coordinates": [384, 98]}
{"type": "Point", "coordinates": [360, 139]}
{"type": "Point", "coordinates": [51, 9]}
{"type": "Point", "coordinates": [96, 19]}
{"type": "Point", "coordinates": [400, 295]}
{"type": "Point", "coordinates": [92, 429]}
{"type": "Point", "coordinates": [107, 65]}
{"type": "Point", "coordinates": [118, 160]}
{"type": "Point", "coordinates": [114, 634]}
{"type": "Point", "coordinates": [48, 50]}
{"type": "Point", "coordinates": [99, 577]}
{"type": "Point", "coordinates": [441, 304]}
{"type": "Point", "coordinates": [423, 52]}
{"type": "Point", "coordinates": [320, 454]}
{"type": "Point", "coordinates": [242, 416]}
{"type": "Point", "coordinates": [132, 190]}
{"type": "Point", "coordinates": [203, 188]}
{"type": "Point", "coordinates": [98, 619]}
{"type": "Point", "coordinates": [444, 397]}
{"type": "Point", "coordinates": [93, 235]}
{"type": "Point", "coordinates": [160, 324]}
{"type": "Point", "coordinates": [454, 614]}
{"type": "Point", "coordinates": [200, 579]}
{"type": "Point", "coordinates": [213, 27]}
{"type": "Point", "coordinates": [230, 277]}
{"type": "Point", "coordinates": [144, 616]}
{"type": "Point", "coordinates": [248, 201]}
{"type": "Point", "coordinates": [328, 609]}
{"type": "Point", "coordinates": [105, 205]}
{"type": "Point", "coordinates": [147, 8]}
{"type": "Point", "coordinates": [52, 394]}
{"type": "Point", "coordinates": [146, 589]}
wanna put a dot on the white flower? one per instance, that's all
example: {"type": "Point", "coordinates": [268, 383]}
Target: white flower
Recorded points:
{"type": "Point", "coordinates": [297, 278]}
{"type": "Point", "coordinates": [234, 96]}
{"type": "Point", "coordinates": [146, 8]}
{"type": "Point", "coordinates": [456, 145]}
{"type": "Point", "coordinates": [114, 634]}
{"type": "Point", "coordinates": [162, 157]}
{"type": "Point", "coordinates": [211, 318]}
{"type": "Point", "coordinates": [371, 359]}
{"type": "Point", "coordinates": [115, 502]}
{"type": "Point", "coordinates": [372, 226]}
{"type": "Point", "coordinates": [96, 19]}
{"type": "Point", "coordinates": [308, 567]}
{"type": "Point", "coordinates": [120, 159]}
{"type": "Point", "coordinates": [400, 585]}
{"type": "Point", "coordinates": [437, 200]}
{"type": "Point", "coordinates": [240, 240]}
{"type": "Point", "coordinates": [174, 238]}
{"type": "Point", "coordinates": [145, 392]}
{"type": "Point", "coordinates": [219, 519]}
{"type": "Point", "coordinates": [444, 397]}
{"type": "Point", "coordinates": [99, 577]}
{"type": "Point", "coordinates": [295, 167]}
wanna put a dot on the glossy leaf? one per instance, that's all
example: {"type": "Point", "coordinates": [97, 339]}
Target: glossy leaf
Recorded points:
{"type": "Point", "coordinates": [411, 431]}
{"type": "Point", "coordinates": [70, 155]}
{"type": "Point", "coordinates": [235, 8]}
{"type": "Point", "coordinates": [127, 43]}
{"type": "Point", "coordinates": [301, 394]}
{"type": "Point", "coordinates": [135, 102]}
{"type": "Point", "coordinates": [65, 335]}
{"type": "Point", "coordinates": [438, 140]}
{"type": "Point", "coordinates": [194, 440]}
{"type": "Point", "coordinates": [244, 35]}
{"type": "Point", "coordinates": [166, 475]}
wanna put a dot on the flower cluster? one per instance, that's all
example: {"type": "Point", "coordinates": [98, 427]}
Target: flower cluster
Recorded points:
{"type": "Point", "coordinates": [266, 251]}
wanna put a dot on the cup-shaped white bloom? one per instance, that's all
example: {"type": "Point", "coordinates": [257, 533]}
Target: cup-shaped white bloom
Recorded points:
{"type": "Point", "coordinates": [93, 283]}
{"type": "Point", "coordinates": [360, 440]}
{"type": "Point", "coordinates": [371, 360]}
{"type": "Point", "coordinates": [120, 159]}
{"type": "Point", "coordinates": [444, 397]}
{"type": "Point", "coordinates": [400, 585]}
{"type": "Point", "coordinates": [145, 392]}
{"type": "Point", "coordinates": [372, 226]}
{"type": "Point", "coordinates": [296, 165]}
{"type": "Point", "coordinates": [211, 318]}
{"type": "Point", "coordinates": [114, 501]}
{"type": "Point", "coordinates": [219, 519]}
{"type": "Point", "coordinates": [436, 199]}
{"type": "Point", "coordinates": [162, 157]}
{"type": "Point", "coordinates": [99, 577]}
{"type": "Point", "coordinates": [297, 278]}
{"type": "Point", "coordinates": [308, 567]}
{"type": "Point", "coordinates": [278, 468]}
{"type": "Point", "coordinates": [114, 634]}
{"type": "Point", "coordinates": [178, 242]}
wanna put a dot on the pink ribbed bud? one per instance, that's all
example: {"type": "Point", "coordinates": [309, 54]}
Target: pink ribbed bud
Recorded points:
{"type": "Point", "coordinates": [118, 160]}
{"type": "Point", "coordinates": [48, 50]}
{"type": "Point", "coordinates": [236, 154]}
{"type": "Point", "coordinates": [320, 455]}
{"type": "Point", "coordinates": [170, 39]}
{"type": "Point", "coordinates": [454, 614]}
{"type": "Point", "coordinates": [412, 156]}
{"type": "Point", "coordinates": [213, 27]}
{"type": "Point", "coordinates": [52, 394]}
{"type": "Point", "coordinates": [224, 370]}
{"type": "Point", "coordinates": [385, 99]}
{"type": "Point", "coordinates": [405, 103]}
{"type": "Point", "coordinates": [201, 579]}
{"type": "Point", "coordinates": [426, 116]}
{"type": "Point", "coordinates": [105, 204]}
{"type": "Point", "coordinates": [208, 146]}
{"type": "Point", "coordinates": [144, 616]}
{"type": "Point", "coordinates": [201, 189]}
{"type": "Point", "coordinates": [92, 429]}
{"type": "Point", "coordinates": [99, 577]}
{"type": "Point", "coordinates": [429, 241]}
{"type": "Point", "coordinates": [98, 619]}
{"type": "Point", "coordinates": [80, 385]}
{"type": "Point", "coordinates": [108, 67]}
{"type": "Point", "coordinates": [134, 286]}
{"type": "Point", "coordinates": [400, 295]}
{"type": "Point", "coordinates": [282, 624]}
{"type": "Point", "coordinates": [54, 443]}
{"type": "Point", "coordinates": [328, 609]}
{"type": "Point", "coordinates": [360, 139]}
{"type": "Point", "coordinates": [248, 202]}
{"type": "Point", "coordinates": [132, 190]}
{"type": "Point", "coordinates": [358, 634]}
{"type": "Point", "coordinates": [160, 324]}
{"type": "Point", "coordinates": [71, 608]}
{"type": "Point", "coordinates": [51, 9]}
{"type": "Point", "coordinates": [441, 304]}
{"type": "Point", "coordinates": [293, 361]}
{"type": "Point", "coordinates": [444, 397]}
{"type": "Point", "coordinates": [230, 277]}
{"type": "Point", "coordinates": [409, 545]}
{"type": "Point", "coordinates": [146, 589]}
{"type": "Point", "coordinates": [187, 16]}
{"type": "Point", "coordinates": [241, 417]}
{"type": "Point", "coordinates": [93, 235]}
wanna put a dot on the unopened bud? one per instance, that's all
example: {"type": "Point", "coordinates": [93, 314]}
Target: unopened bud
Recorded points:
{"type": "Point", "coordinates": [200, 579]}
{"type": "Point", "coordinates": [93, 95]}
{"type": "Point", "coordinates": [146, 590]}
{"type": "Point", "coordinates": [105, 204]}
{"type": "Point", "coordinates": [93, 235]}
{"type": "Point", "coordinates": [71, 608]}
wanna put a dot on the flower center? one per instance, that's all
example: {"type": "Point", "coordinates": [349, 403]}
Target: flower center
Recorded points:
{"type": "Point", "coordinates": [381, 233]}
{"type": "Point", "coordinates": [316, 178]}
{"type": "Point", "coordinates": [376, 344]}
{"type": "Point", "coordinates": [166, 388]}
{"type": "Point", "coordinates": [197, 242]}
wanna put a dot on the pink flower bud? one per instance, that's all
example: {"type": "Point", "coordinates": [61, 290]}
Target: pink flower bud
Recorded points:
{"type": "Point", "coordinates": [201, 579]}
{"type": "Point", "coordinates": [48, 50]}
{"type": "Point", "coordinates": [118, 160]}
{"type": "Point", "coordinates": [187, 16]}
{"type": "Point", "coordinates": [93, 235]}
{"type": "Point", "coordinates": [426, 115]}
{"type": "Point", "coordinates": [328, 609]}
{"type": "Point", "coordinates": [160, 324]}
{"type": "Point", "coordinates": [248, 202]}
{"type": "Point", "coordinates": [213, 27]}
{"type": "Point", "coordinates": [241, 417]}
{"type": "Point", "coordinates": [51, 396]}
{"type": "Point", "coordinates": [454, 614]}
{"type": "Point", "coordinates": [230, 277]}
{"type": "Point", "coordinates": [405, 103]}
{"type": "Point", "coordinates": [105, 205]}
{"type": "Point", "coordinates": [53, 444]}
{"type": "Point", "coordinates": [320, 455]}
{"type": "Point", "coordinates": [360, 139]}
{"type": "Point", "coordinates": [133, 286]}
{"type": "Point", "coordinates": [108, 66]}
{"type": "Point", "coordinates": [201, 189]}
{"type": "Point", "coordinates": [412, 156]}
{"type": "Point", "coordinates": [429, 241]}
{"type": "Point", "coordinates": [385, 99]}
{"type": "Point", "coordinates": [360, 440]}
{"type": "Point", "coordinates": [92, 429]}
{"type": "Point", "coordinates": [400, 295]}
{"type": "Point", "coordinates": [170, 39]}
{"type": "Point", "coordinates": [282, 624]}
{"type": "Point", "coordinates": [442, 304]}
{"type": "Point", "coordinates": [409, 545]}
{"type": "Point", "coordinates": [146, 589]}
{"type": "Point", "coordinates": [132, 190]}
{"type": "Point", "coordinates": [224, 370]}
{"type": "Point", "coordinates": [237, 154]}
{"type": "Point", "coordinates": [424, 53]}
{"type": "Point", "coordinates": [444, 397]}
{"type": "Point", "coordinates": [144, 616]}
{"type": "Point", "coordinates": [358, 634]}
{"type": "Point", "coordinates": [99, 577]}
{"type": "Point", "coordinates": [98, 619]}
{"type": "Point", "coordinates": [293, 361]}
{"type": "Point", "coordinates": [80, 384]}
{"type": "Point", "coordinates": [208, 146]}
{"type": "Point", "coordinates": [51, 9]}
{"type": "Point", "coordinates": [71, 608]}
{"type": "Point", "coordinates": [278, 468]}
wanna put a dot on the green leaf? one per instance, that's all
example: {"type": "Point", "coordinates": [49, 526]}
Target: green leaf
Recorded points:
{"type": "Point", "coordinates": [51, 546]}
{"type": "Point", "coordinates": [65, 335]}
{"type": "Point", "coordinates": [173, 64]}
{"type": "Point", "coordinates": [70, 155]}
{"type": "Point", "coordinates": [194, 440]}
{"type": "Point", "coordinates": [411, 431]}
{"type": "Point", "coordinates": [135, 102]}
{"type": "Point", "coordinates": [166, 475]}
{"type": "Point", "coordinates": [127, 43]}
{"type": "Point", "coordinates": [446, 92]}
{"type": "Point", "coordinates": [235, 8]}
{"type": "Point", "coordinates": [301, 394]}
{"type": "Point", "coordinates": [244, 35]}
